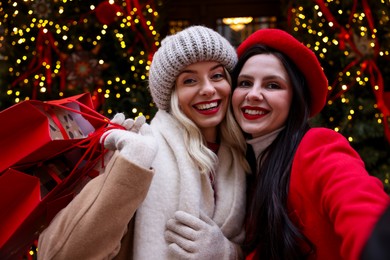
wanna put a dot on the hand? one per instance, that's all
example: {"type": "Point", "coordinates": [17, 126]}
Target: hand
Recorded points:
{"type": "Point", "coordinates": [129, 124]}
{"type": "Point", "coordinates": [190, 237]}
{"type": "Point", "coordinates": [139, 148]}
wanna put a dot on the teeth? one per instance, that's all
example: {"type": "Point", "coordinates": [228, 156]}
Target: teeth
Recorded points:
{"type": "Point", "coordinates": [207, 106]}
{"type": "Point", "coordinates": [254, 112]}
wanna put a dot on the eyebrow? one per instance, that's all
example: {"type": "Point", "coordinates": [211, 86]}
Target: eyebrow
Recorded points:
{"type": "Point", "coordinates": [270, 77]}
{"type": "Point", "coordinates": [193, 71]}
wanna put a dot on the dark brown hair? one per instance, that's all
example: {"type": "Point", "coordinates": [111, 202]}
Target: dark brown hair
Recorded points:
{"type": "Point", "coordinates": [269, 228]}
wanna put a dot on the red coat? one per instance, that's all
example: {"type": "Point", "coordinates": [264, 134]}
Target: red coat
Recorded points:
{"type": "Point", "coordinates": [332, 198]}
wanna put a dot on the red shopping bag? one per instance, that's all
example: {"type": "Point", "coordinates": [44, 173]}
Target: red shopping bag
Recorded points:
{"type": "Point", "coordinates": [36, 195]}
{"type": "Point", "coordinates": [48, 150]}
{"type": "Point", "coordinates": [26, 194]}
{"type": "Point", "coordinates": [32, 130]}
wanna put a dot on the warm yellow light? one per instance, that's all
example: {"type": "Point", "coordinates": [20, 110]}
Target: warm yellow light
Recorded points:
{"type": "Point", "coordinates": [237, 23]}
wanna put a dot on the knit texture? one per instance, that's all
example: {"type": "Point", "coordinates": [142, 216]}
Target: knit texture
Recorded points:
{"type": "Point", "coordinates": [193, 44]}
{"type": "Point", "coordinates": [178, 185]}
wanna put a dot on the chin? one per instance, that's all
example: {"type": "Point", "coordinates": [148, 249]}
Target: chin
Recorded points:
{"type": "Point", "coordinates": [252, 132]}
{"type": "Point", "coordinates": [209, 123]}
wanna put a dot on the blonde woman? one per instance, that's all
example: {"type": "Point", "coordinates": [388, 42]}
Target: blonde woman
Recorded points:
{"type": "Point", "coordinates": [195, 205]}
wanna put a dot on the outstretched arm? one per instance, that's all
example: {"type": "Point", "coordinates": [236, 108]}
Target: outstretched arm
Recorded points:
{"type": "Point", "coordinates": [93, 224]}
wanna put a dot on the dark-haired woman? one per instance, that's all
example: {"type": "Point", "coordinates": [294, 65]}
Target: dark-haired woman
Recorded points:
{"type": "Point", "coordinates": [310, 196]}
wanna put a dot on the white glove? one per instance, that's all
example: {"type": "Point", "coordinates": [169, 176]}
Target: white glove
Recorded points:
{"type": "Point", "coordinates": [190, 237]}
{"type": "Point", "coordinates": [129, 124]}
{"type": "Point", "coordinates": [139, 148]}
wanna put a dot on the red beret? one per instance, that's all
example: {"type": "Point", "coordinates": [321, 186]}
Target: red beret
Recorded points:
{"type": "Point", "coordinates": [303, 57]}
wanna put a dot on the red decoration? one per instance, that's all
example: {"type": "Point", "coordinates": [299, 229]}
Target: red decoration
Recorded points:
{"type": "Point", "coordinates": [107, 13]}
{"type": "Point", "coordinates": [149, 45]}
{"type": "Point", "coordinates": [367, 63]}
{"type": "Point", "coordinates": [46, 47]}
{"type": "Point", "coordinates": [83, 71]}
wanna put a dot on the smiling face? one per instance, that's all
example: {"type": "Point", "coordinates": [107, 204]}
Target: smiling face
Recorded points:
{"type": "Point", "coordinates": [263, 95]}
{"type": "Point", "coordinates": [203, 92]}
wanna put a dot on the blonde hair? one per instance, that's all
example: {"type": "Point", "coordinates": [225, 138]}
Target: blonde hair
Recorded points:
{"type": "Point", "coordinates": [229, 132]}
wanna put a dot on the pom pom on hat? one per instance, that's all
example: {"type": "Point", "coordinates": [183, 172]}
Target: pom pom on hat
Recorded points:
{"type": "Point", "coordinates": [193, 44]}
{"type": "Point", "coordinates": [302, 56]}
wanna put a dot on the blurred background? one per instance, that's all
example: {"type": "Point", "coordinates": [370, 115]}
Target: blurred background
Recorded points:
{"type": "Point", "coordinates": [50, 49]}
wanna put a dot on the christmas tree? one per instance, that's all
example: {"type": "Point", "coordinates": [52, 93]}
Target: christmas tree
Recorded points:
{"type": "Point", "coordinates": [352, 40]}
{"type": "Point", "coordinates": [54, 49]}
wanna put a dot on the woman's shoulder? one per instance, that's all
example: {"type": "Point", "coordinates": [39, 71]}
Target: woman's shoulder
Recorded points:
{"type": "Point", "coordinates": [325, 146]}
{"type": "Point", "coordinates": [320, 136]}
{"type": "Point", "coordinates": [322, 131]}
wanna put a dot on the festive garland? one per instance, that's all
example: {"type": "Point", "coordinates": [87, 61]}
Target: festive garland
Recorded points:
{"type": "Point", "coordinates": [367, 63]}
{"type": "Point", "coordinates": [47, 50]}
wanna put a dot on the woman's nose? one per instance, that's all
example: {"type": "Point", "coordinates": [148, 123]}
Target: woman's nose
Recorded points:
{"type": "Point", "coordinates": [207, 88]}
{"type": "Point", "coordinates": [255, 94]}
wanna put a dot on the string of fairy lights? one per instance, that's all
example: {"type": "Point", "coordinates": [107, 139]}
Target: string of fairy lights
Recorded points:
{"type": "Point", "coordinates": [356, 39]}
{"type": "Point", "coordinates": [352, 42]}
{"type": "Point", "coordinates": [37, 37]}
{"type": "Point", "coordinates": [48, 35]}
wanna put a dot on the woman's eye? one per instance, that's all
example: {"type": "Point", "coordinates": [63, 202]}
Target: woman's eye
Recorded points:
{"type": "Point", "coordinates": [218, 76]}
{"type": "Point", "coordinates": [273, 85]}
{"type": "Point", "coordinates": [188, 81]}
{"type": "Point", "coordinates": [244, 83]}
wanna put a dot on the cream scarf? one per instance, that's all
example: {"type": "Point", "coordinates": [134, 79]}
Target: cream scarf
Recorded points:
{"type": "Point", "coordinates": [178, 185]}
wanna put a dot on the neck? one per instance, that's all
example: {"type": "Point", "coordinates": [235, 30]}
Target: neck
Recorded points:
{"type": "Point", "coordinates": [210, 134]}
{"type": "Point", "coordinates": [261, 143]}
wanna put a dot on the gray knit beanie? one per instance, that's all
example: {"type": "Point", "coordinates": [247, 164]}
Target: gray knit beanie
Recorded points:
{"type": "Point", "coordinates": [193, 44]}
